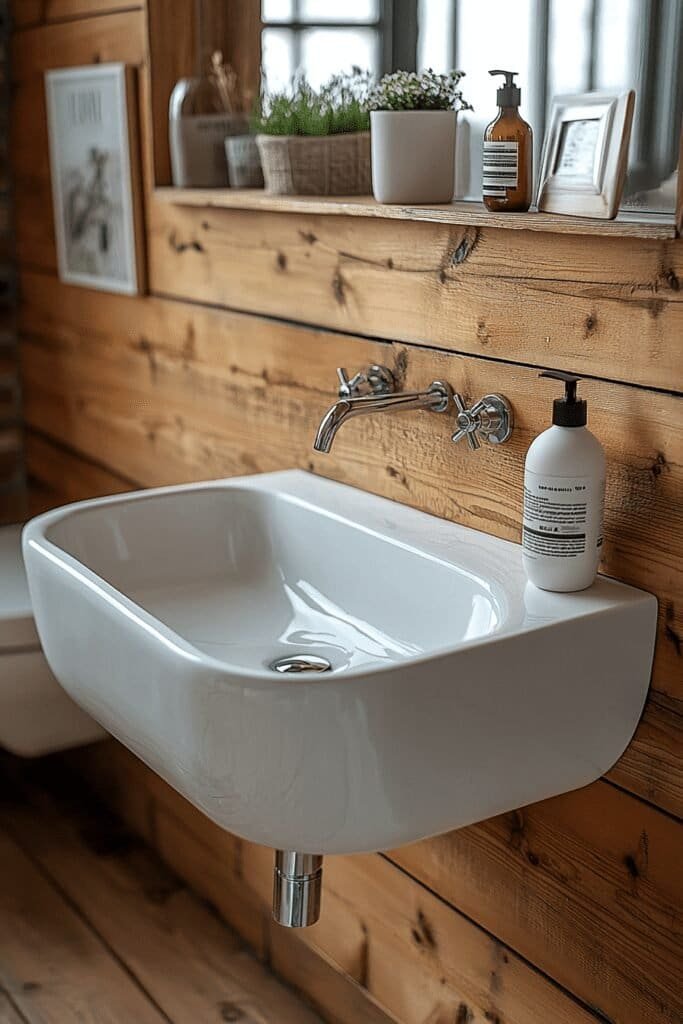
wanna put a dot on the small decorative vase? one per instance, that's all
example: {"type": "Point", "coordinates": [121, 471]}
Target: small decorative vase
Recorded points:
{"type": "Point", "coordinates": [244, 162]}
{"type": "Point", "coordinates": [413, 155]}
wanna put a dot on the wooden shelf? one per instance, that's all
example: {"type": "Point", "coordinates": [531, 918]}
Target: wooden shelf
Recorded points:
{"type": "Point", "coordinates": [630, 225]}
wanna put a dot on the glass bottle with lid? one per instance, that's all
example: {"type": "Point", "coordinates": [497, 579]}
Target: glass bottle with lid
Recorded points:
{"type": "Point", "coordinates": [203, 112]}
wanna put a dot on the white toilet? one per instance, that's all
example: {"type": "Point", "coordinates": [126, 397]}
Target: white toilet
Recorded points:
{"type": "Point", "coordinates": [36, 715]}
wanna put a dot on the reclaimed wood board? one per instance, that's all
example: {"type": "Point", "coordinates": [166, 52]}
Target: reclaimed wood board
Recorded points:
{"type": "Point", "coordinates": [95, 928]}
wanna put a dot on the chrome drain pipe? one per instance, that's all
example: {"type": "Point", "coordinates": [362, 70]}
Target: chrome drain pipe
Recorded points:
{"type": "Point", "coordinates": [297, 884]}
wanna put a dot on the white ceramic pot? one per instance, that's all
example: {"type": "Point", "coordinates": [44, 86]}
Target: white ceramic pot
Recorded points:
{"type": "Point", "coordinates": [413, 155]}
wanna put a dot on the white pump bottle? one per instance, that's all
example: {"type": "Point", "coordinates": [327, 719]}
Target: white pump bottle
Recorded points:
{"type": "Point", "coordinates": [564, 488]}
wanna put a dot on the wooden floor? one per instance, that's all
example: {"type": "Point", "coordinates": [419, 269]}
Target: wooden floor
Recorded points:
{"type": "Point", "coordinates": [94, 929]}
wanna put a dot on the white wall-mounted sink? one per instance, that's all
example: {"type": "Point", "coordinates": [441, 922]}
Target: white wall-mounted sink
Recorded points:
{"type": "Point", "coordinates": [456, 690]}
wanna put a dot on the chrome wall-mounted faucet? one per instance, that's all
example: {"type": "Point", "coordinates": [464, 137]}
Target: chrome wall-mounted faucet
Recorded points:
{"type": "Point", "coordinates": [374, 390]}
{"type": "Point", "coordinates": [490, 418]}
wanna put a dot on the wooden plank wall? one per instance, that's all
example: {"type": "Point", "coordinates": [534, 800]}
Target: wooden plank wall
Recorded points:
{"type": "Point", "coordinates": [12, 482]}
{"type": "Point", "coordinates": [568, 911]}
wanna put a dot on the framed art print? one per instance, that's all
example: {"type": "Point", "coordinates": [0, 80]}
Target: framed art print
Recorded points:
{"type": "Point", "coordinates": [95, 172]}
{"type": "Point", "coordinates": [585, 154]}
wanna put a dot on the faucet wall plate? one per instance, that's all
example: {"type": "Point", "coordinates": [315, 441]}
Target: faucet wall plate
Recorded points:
{"type": "Point", "coordinates": [443, 388]}
{"type": "Point", "coordinates": [457, 690]}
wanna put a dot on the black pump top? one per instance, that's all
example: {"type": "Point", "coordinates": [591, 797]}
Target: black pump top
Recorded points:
{"type": "Point", "coordinates": [509, 95]}
{"type": "Point", "coordinates": [569, 411]}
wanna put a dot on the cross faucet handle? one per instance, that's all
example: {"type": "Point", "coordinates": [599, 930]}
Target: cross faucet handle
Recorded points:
{"type": "Point", "coordinates": [374, 380]}
{"type": "Point", "coordinates": [349, 388]}
{"type": "Point", "coordinates": [490, 418]}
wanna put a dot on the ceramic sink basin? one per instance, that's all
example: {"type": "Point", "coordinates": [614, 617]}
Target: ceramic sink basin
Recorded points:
{"type": "Point", "coordinates": [456, 691]}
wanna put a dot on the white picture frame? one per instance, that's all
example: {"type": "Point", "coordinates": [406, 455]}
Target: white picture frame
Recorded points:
{"type": "Point", "coordinates": [94, 164]}
{"type": "Point", "coordinates": [585, 154]}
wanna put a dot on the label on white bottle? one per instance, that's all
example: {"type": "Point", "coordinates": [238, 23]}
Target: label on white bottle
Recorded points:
{"type": "Point", "coordinates": [500, 170]}
{"type": "Point", "coordinates": [557, 516]}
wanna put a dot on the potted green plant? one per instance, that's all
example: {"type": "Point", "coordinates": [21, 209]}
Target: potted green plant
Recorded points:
{"type": "Point", "coordinates": [412, 121]}
{"type": "Point", "coordinates": [316, 141]}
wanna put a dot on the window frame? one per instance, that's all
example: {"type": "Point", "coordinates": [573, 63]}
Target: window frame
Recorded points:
{"type": "Point", "coordinates": [396, 25]}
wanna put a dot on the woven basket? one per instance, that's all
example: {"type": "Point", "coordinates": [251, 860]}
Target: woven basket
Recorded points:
{"type": "Point", "coordinates": [316, 165]}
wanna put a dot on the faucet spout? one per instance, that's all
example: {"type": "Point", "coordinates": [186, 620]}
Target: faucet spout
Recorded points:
{"type": "Point", "coordinates": [330, 424]}
{"type": "Point", "coordinates": [437, 397]}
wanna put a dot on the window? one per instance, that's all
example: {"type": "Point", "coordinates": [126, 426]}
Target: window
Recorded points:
{"type": "Point", "coordinates": [322, 37]}
{"type": "Point", "coordinates": [319, 38]}
{"type": "Point", "coordinates": [556, 46]}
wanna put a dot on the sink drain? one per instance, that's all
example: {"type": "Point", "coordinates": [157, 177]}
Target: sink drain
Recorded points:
{"type": "Point", "coordinates": [300, 663]}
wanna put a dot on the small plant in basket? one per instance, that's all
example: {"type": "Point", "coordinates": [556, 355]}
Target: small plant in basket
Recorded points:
{"type": "Point", "coordinates": [316, 141]}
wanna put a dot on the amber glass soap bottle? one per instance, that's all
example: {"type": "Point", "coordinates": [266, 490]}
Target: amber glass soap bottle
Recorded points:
{"type": "Point", "coordinates": [508, 152]}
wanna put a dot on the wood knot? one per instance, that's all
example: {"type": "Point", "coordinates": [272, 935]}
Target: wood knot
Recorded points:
{"type": "Point", "coordinates": [281, 261]}
{"type": "Point", "coordinates": [189, 347]}
{"type": "Point", "coordinates": [483, 336]}
{"type": "Point", "coordinates": [671, 279]}
{"type": "Point", "coordinates": [396, 475]}
{"type": "Point", "coordinates": [631, 866]}
{"type": "Point", "coordinates": [146, 347]}
{"type": "Point", "coordinates": [231, 1012]}
{"type": "Point", "coordinates": [400, 368]}
{"type": "Point", "coordinates": [659, 465]}
{"type": "Point", "coordinates": [670, 632]}
{"type": "Point", "coordinates": [495, 984]}
{"type": "Point", "coordinates": [590, 323]}
{"type": "Point", "coordinates": [423, 934]}
{"type": "Point", "coordinates": [339, 288]}
{"type": "Point", "coordinates": [180, 246]}
{"type": "Point", "coordinates": [637, 863]}
{"type": "Point", "coordinates": [517, 828]}
{"type": "Point", "coordinates": [465, 247]}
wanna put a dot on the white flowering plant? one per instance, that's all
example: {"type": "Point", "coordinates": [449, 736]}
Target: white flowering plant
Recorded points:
{"type": "Point", "coordinates": [408, 90]}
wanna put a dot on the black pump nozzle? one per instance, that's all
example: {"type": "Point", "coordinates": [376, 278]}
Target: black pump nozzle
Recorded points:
{"type": "Point", "coordinates": [509, 95]}
{"type": "Point", "coordinates": [569, 411]}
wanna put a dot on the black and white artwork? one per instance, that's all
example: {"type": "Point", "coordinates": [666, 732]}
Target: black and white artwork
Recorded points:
{"type": "Point", "coordinates": [91, 177]}
{"type": "Point", "coordinates": [578, 145]}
